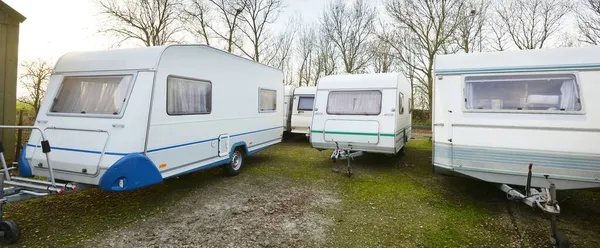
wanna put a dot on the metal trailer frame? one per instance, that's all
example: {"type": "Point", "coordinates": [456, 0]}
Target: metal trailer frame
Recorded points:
{"type": "Point", "coordinates": [544, 199]}
{"type": "Point", "coordinates": [18, 188]}
{"type": "Point", "coordinates": [347, 154]}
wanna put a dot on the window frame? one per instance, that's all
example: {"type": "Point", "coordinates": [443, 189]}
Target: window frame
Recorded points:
{"type": "Point", "coordinates": [186, 78]}
{"type": "Point", "coordinates": [306, 96]}
{"type": "Point", "coordinates": [575, 74]}
{"type": "Point", "coordinates": [364, 90]}
{"type": "Point", "coordinates": [401, 103]}
{"type": "Point", "coordinates": [55, 93]}
{"type": "Point", "coordinates": [259, 98]}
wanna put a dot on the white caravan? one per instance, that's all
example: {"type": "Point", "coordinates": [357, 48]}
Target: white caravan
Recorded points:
{"type": "Point", "coordinates": [299, 112]}
{"type": "Point", "coordinates": [524, 118]}
{"type": "Point", "coordinates": [128, 118]}
{"type": "Point", "coordinates": [497, 112]}
{"type": "Point", "coordinates": [362, 112]}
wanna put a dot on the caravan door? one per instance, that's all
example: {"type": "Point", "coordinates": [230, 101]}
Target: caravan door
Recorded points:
{"type": "Point", "coordinates": [302, 113]}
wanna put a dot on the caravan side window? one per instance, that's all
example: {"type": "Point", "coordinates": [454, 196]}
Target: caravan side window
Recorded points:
{"type": "Point", "coordinates": [306, 103]}
{"type": "Point", "coordinates": [91, 95]}
{"type": "Point", "coordinates": [523, 93]}
{"type": "Point", "coordinates": [401, 103]}
{"type": "Point", "coordinates": [354, 102]}
{"type": "Point", "coordinates": [267, 100]}
{"type": "Point", "coordinates": [188, 96]}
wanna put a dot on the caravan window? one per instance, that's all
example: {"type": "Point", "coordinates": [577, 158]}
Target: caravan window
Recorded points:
{"type": "Point", "coordinates": [354, 102]}
{"type": "Point", "coordinates": [545, 92]}
{"type": "Point", "coordinates": [401, 103]}
{"type": "Point", "coordinates": [92, 95]}
{"type": "Point", "coordinates": [306, 103]}
{"type": "Point", "coordinates": [267, 101]}
{"type": "Point", "coordinates": [409, 105]}
{"type": "Point", "coordinates": [188, 96]}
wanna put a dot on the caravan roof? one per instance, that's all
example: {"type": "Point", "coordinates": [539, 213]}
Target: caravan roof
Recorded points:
{"type": "Point", "coordinates": [520, 60]}
{"type": "Point", "coordinates": [145, 58]}
{"type": "Point", "coordinates": [360, 81]}
{"type": "Point", "coordinates": [305, 90]}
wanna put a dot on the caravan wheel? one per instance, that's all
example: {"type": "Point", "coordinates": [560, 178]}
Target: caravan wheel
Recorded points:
{"type": "Point", "coordinates": [10, 232]}
{"type": "Point", "coordinates": [235, 166]}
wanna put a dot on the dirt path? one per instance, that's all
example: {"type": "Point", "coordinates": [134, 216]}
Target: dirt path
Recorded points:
{"type": "Point", "coordinates": [242, 211]}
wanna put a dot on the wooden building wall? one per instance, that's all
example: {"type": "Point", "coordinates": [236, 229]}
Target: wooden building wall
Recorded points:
{"type": "Point", "coordinates": [9, 40]}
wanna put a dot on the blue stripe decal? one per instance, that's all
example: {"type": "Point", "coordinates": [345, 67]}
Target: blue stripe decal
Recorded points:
{"type": "Point", "coordinates": [153, 150]}
{"type": "Point", "coordinates": [533, 68]}
{"type": "Point", "coordinates": [83, 151]}
{"type": "Point", "coordinates": [186, 144]}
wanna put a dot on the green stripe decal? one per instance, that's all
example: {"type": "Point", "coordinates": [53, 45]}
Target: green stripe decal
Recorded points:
{"type": "Point", "coordinates": [353, 133]}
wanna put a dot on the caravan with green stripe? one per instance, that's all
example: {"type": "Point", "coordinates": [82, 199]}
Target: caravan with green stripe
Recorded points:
{"type": "Point", "coordinates": [362, 112]}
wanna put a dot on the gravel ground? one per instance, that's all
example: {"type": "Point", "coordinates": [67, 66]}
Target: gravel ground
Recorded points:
{"type": "Point", "coordinates": [234, 212]}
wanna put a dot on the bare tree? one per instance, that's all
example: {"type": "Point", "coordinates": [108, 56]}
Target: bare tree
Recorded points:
{"type": "Point", "coordinates": [256, 17]}
{"type": "Point", "coordinates": [229, 13]}
{"type": "Point", "coordinates": [35, 80]}
{"type": "Point", "coordinates": [531, 22]}
{"type": "Point", "coordinates": [279, 51]}
{"type": "Point", "coordinates": [197, 16]}
{"type": "Point", "coordinates": [306, 51]}
{"type": "Point", "coordinates": [153, 22]}
{"type": "Point", "coordinates": [588, 21]}
{"type": "Point", "coordinates": [470, 31]}
{"type": "Point", "coordinates": [350, 29]}
{"type": "Point", "coordinates": [383, 59]}
{"type": "Point", "coordinates": [499, 38]}
{"type": "Point", "coordinates": [421, 29]}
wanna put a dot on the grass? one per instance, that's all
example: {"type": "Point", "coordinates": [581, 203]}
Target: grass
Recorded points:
{"type": "Point", "coordinates": [389, 201]}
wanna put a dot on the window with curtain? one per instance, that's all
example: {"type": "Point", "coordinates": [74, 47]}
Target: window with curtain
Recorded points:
{"type": "Point", "coordinates": [401, 103]}
{"type": "Point", "coordinates": [268, 100]}
{"type": "Point", "coordinates": [188, 96]}
{"type": "Point", "coordinates": [542, 92]}
{"type": "Point", "coordinates": [306, 103]}
{"type": "Point", "coordinates": [92, 95]}
{"type": "Point", "coordinates": [354, 102]}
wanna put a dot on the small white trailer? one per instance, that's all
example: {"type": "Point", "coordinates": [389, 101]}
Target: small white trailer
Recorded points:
{"type": "Point", "coordinates": [523, 118]}
{"type": "Point", "coordinates": [299, 112]}
{"type": "Point", "coordinates": [361, 113]}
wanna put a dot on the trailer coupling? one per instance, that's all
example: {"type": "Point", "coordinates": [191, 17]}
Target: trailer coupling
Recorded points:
{"type": "Point", "coordinates": [347, 154]}
{"type": "Point", "coordinates": [544, 199]}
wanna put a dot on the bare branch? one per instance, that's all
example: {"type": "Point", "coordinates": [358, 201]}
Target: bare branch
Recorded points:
{"type": "Point", "coordinates": [588, 21]}
{"type": "Point", "coordinates": [350, 28]}
{"type": "Point", "coordinates": [153, 22]}
{"type": "Point", "coordinates": [531, 22]}
{"type": "Point", "coordinates": [35, 80]}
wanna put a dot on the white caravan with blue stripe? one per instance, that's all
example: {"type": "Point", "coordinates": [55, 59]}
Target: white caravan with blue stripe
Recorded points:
{"type": "Point", "coordinates": [494, 113]}
{"type": "Point", "coordinates": [125, 119]}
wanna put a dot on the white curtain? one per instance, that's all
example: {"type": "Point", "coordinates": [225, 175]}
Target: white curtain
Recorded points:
{"type": "Point", "coordinates": [186, 96]}
{"type": "Point", "coordinates": [354, 102]}
{"type": "Point", "coordinates": [469, 95]}
{"type": "Point", "coordinates": [92, 95]}
{"type": "Point", "coordinates": [306, 103]}
{"type": "Point", "coordinates": [268, 100]}
{"type": "Point", "coordinates": [569, 98]}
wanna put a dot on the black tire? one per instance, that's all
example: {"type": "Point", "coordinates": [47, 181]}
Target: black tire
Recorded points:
{"type": "Point", "coordinates": [402, 151]}
{"type": "Point", "coordinates": [234, 167]}
{"type": "Point", "coordinates": [11, 231]}
{"type": "Point", "coordinates": [561, 240]}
